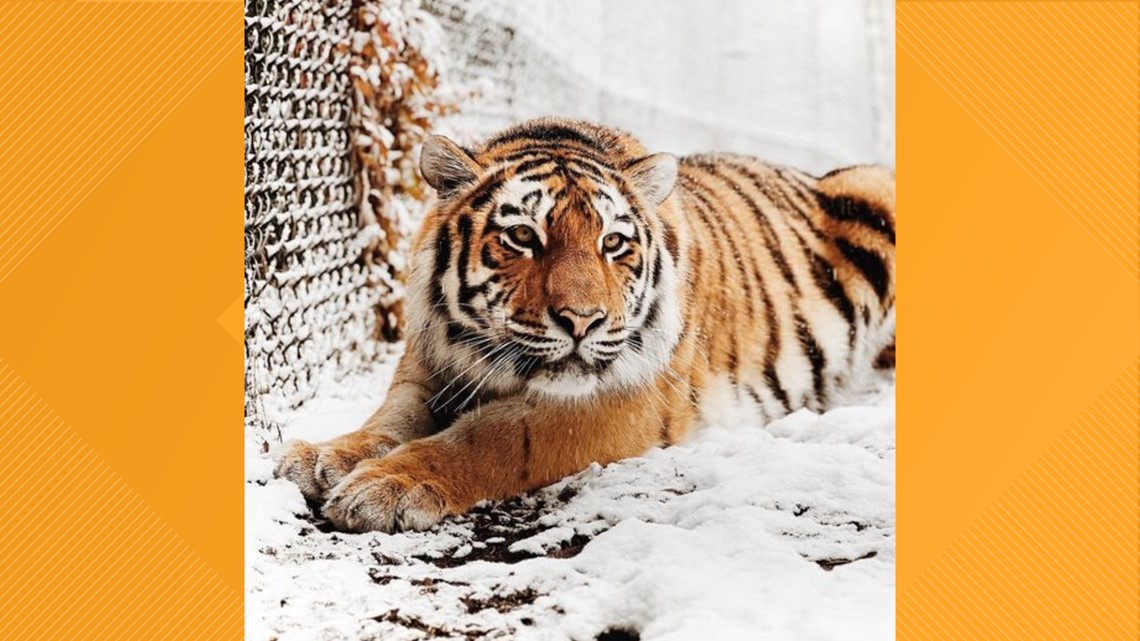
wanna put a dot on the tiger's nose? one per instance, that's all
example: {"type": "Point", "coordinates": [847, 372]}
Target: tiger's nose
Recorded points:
{"type": "Point", "coordinates": [576, 322]}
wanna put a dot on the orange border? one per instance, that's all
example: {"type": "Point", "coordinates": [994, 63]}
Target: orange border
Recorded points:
{"type": "Point", "coordinates": [120, 184]}
{"type": "Point", "coordinates": [1018, 317]}
{"type": "Point", "coordinates": [120, 346]}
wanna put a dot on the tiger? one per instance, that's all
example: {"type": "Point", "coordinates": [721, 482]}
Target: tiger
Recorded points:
{"type": "Point", "coordinates": [574, 299]}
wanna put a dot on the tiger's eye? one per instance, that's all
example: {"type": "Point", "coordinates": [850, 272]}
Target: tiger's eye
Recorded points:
{"type": "Point", "coordinates": [521, 234]}
{"type": "Point", "coordinates": [612, 242]}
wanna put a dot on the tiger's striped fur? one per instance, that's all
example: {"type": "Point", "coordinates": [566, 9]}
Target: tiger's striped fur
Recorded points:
{"type": "Point", "coordinates": [575, 299]}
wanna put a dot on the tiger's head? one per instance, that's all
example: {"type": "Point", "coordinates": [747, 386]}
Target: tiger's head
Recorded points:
{"type": "Point", "coordinates": [548, 263]}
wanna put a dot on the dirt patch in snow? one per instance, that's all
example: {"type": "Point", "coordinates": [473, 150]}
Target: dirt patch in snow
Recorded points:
{"type": "Point", "coordinates": [618, 634]}
{"type": "Point", "coordinates": [497, 527]}
{"type": "Point", "coordinates": [433, 631]}
{"type": "Point", "coordinates": [831, 564]}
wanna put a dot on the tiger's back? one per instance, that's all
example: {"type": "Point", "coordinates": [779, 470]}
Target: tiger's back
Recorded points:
{"type": "Point", "coordinates": [789, 281]}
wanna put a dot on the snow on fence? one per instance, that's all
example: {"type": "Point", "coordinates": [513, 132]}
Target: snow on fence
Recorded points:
{"type": "Point", "coordinates": [337, 95]}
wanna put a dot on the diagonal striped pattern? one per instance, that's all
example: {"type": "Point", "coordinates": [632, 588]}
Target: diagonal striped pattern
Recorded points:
{"type": "Point", "coordinates": [84, 84]}
{"type": "Point", "coordinates": [1055, 556]}
{"type": "Point", "coordinates": [1054, 83]}
{"type": "Point", "coordinates": [81, 556]}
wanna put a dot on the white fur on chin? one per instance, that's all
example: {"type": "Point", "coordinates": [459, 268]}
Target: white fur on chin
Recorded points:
{"type": "Point", "coordinates": [566, 385]}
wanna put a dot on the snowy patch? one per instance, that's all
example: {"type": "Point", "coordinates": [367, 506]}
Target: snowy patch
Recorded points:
{"type": "Point", "coordinates": [744, 532]}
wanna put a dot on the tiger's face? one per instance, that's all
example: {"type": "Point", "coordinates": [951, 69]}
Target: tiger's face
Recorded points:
{"type": "Point", "coordinates": [549, 271]}
{"type": "Point", "coordinates": [565, 265]}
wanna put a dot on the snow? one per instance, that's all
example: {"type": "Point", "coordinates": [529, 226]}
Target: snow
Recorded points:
{"type": "Point", "coordinates": [784, 531]}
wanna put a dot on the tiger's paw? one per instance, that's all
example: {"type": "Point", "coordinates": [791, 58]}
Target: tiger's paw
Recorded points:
{"type": "Point", "coordinates": [316, 468]}
{"type": "Point", "coordinates": [377, 497]}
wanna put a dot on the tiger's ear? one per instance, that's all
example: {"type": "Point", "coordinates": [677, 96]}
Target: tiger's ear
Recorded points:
{"type": "Point", "coordinates": [654, 176]}
{"type": "Point", "coordinates": [446, 166]}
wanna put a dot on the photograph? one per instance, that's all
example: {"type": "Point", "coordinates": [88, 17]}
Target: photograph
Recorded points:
{"type": "Point", "coordinates": [569, 320]}
{"type": "Point", "coordinates": [551, 320]}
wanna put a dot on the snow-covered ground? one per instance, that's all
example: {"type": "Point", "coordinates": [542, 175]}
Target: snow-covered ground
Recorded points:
{"type": "Point", "coordinates": [784, 531]}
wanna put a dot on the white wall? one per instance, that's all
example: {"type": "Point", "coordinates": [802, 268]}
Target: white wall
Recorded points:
{"type": "Point", "coordinates": [809, 83]}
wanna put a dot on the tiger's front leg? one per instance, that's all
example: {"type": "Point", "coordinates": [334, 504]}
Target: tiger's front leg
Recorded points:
{"type": "Point", "coordinates": [317, 467]}
{"type": "Point", "coordinates": [506, 448]}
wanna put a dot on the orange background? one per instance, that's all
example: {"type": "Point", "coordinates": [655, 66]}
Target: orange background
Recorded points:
{"type": "Point", "coordinates": [120, 346]}
{"type": "Point", "coordinates": [120, 320]}
{"type": "Point", "coordinates": [1018, 320]}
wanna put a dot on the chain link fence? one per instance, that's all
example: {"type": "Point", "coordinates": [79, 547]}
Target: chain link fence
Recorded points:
{"type": "Point", "coordinates": [320, 297]}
